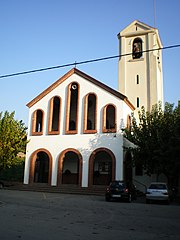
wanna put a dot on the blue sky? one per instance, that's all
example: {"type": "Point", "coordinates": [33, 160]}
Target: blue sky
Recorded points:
{"type": "Point", "coordinates": [43, 33]}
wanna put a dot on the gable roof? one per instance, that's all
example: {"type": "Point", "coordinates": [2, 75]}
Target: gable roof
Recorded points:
{"type": "Point", "coordinates": [139, 24]}
{"type": "Point", "coordinates": [143, 28]}
{"type": "Point", "coordinates": [88, 78]}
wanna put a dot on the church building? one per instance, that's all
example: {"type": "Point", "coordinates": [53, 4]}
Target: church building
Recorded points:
{"type": "Point", "coordinates": [75, 125]}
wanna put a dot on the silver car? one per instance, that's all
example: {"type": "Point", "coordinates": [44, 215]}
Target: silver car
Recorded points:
{"type": "Point", "coordinates": [157, 191]}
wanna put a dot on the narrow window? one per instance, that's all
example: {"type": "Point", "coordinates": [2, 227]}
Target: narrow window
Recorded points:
{"type": "Point", "coordinates": [90, 112]}
{"type": "Point", "coordinates": [137, 102]}
{"type": "Point", "coordinates": [72, 108]}
{"type": "Point", "coordinates": [137, 48]}
{"type": "Point", "coordinates": [54, 116]}
{"type": "Point", "coordinates": [109, 118]}
{"type": "Point", "coordinates": [137, 79]}
{"type": "Point", "coordinates": [37, 123]}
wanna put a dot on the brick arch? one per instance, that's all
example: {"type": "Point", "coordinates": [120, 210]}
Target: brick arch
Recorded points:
{"type": "Point", "coordinates": [33, 161]}
{"type": "Point", "coordinates": [60, 165]}
{"type": "Point", "coordinates": [91, 164]}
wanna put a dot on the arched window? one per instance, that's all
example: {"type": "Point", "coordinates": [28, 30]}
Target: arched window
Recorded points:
{"type": "Point", "coordinates": [128, 121]}
{"type": "Point", "coordinates": [72, 108]}
{"type": "Point", "coordinates": [109, 118]}
{"type": "Point", "coordinates": [54, 115]}
{"type": "Point", "coordinates": [37, 122]}
{"type": "Point", "coordinates": [137, 48]}
{"type": "Point", "coordinates": [90, 112]}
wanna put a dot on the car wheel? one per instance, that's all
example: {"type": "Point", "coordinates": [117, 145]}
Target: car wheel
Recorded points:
{"type": "Point", "coordinates": [147, 201]}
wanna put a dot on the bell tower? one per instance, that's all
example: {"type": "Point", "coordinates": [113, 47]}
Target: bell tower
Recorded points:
{"type": "Point", "coordinates": [140, 75]}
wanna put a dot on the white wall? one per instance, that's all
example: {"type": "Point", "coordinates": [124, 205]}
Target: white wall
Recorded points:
{"type": "Point", "coordinates": [84, 143]}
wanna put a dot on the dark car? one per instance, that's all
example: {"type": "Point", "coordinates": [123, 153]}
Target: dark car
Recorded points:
{"type": "Point", "coordinates": [120, 190]}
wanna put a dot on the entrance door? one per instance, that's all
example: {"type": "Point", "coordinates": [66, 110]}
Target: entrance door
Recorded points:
{"type": "Point", "coordinates": [41, 172]}
{"type": "Point", "coordinates": [70, 171]}
{"type": "Point", "coordinates": [102, 170]}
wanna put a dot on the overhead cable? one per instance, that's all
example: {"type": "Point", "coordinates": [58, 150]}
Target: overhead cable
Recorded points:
{"type": "Point", "coordinates": [82, 62]}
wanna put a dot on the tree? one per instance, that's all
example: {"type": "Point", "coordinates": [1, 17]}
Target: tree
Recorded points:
{"type": "Point", "coordinates": [157, 138]}
{"type": "Point", "coordinates": [13, 139]}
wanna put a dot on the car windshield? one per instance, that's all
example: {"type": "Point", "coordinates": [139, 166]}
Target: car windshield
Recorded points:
{"type": "Point", "coordinates": [158, 186]}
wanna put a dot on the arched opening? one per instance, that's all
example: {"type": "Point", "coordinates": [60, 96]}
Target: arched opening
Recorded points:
{"type": "Point", "coordinates": [37, 122]}
{"type": "Point", "coordinates": [90, 113]}
{"type": "Point", "coordinates": [137, 48]}
{"type": "Point", "coordinates": [72, 108]}
{"type": "Point", "coordinates": [54, 116]}
{"type": "Point", "coordinates": [109, 118]}
{"type": "Point", "coordinates": [40, 167]}
{"type": "Point", "coordinates": [101, 167]}
{"type": "Point", "coordinates": [128, 167]}
{"type": "Point", "coordinates": [128, 121]}
{"type": "Point", "coordinates": [70, 167]}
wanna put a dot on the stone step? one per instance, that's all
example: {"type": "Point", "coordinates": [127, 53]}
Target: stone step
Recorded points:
{"type": "Point", "coordinates": [64, 188]}
{"type": "Point", "coordinates": [69, 189]}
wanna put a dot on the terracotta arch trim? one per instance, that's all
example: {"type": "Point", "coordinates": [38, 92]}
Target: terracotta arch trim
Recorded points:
{"type": "Point", "coordinates": [91, 164]}
{"type": "Point", "coordinates": [32, 165]}
{"type": "Point", "coordinates": [60, 165]}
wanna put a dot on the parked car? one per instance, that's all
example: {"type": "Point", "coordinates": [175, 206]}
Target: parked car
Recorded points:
{"type": "Point", "coordinates": [158, 191]}
{"type": "Point", "coordinates": [120, 190]}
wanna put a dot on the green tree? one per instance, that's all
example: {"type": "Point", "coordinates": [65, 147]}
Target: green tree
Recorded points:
{"type": "Point", "coordinates": [157, 140]}
{"type": "Point", "coordinates": [13, 139]}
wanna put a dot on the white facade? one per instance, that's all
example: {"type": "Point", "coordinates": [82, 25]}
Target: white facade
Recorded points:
{"type": "Point", "coordinates": [82, 143]}
{"type": "Point", "coordinates": [140, 76]}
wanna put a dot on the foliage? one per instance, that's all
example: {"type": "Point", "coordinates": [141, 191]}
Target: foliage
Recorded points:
{"type": "Point", "coordinates": [13, 139]}
{"type": "Point", "coordinates": [15, 172]}
{"type": "Point", "coordinates": [157, 138]}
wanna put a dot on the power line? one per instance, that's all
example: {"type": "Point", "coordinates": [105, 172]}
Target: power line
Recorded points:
{"type": "Point", "coordinates": [82, 62]}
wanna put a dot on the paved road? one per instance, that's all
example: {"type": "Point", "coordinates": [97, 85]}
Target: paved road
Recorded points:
{"type": "Point", "coordinates": [50, 216]}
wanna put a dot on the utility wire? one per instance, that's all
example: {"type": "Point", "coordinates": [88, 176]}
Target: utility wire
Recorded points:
{"type": "Point", "coordinates": [83, 62]}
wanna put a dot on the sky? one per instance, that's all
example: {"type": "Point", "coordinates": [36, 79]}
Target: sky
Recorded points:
{"type": "Point", "coordinates": [45, 33]}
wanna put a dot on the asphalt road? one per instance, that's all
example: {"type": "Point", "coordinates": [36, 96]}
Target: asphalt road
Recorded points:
{"type": "Point", "coordinates": [51, 216]}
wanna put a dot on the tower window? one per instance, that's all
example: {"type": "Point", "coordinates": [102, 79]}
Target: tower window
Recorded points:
{"type": "Point", "coordinates": [138, 102]}
{"type": "Point", "coordinates": [137, 48]}
{"type": "Point", "coordinates": [137, 79]}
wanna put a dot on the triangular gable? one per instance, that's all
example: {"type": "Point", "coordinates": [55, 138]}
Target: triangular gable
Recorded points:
{"type": "Point", "coordinates": [132, 27]}
{"type": "Point", "coordinates": [141, 28]}
{"type": "Point", "coordinates": [88, 78]}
